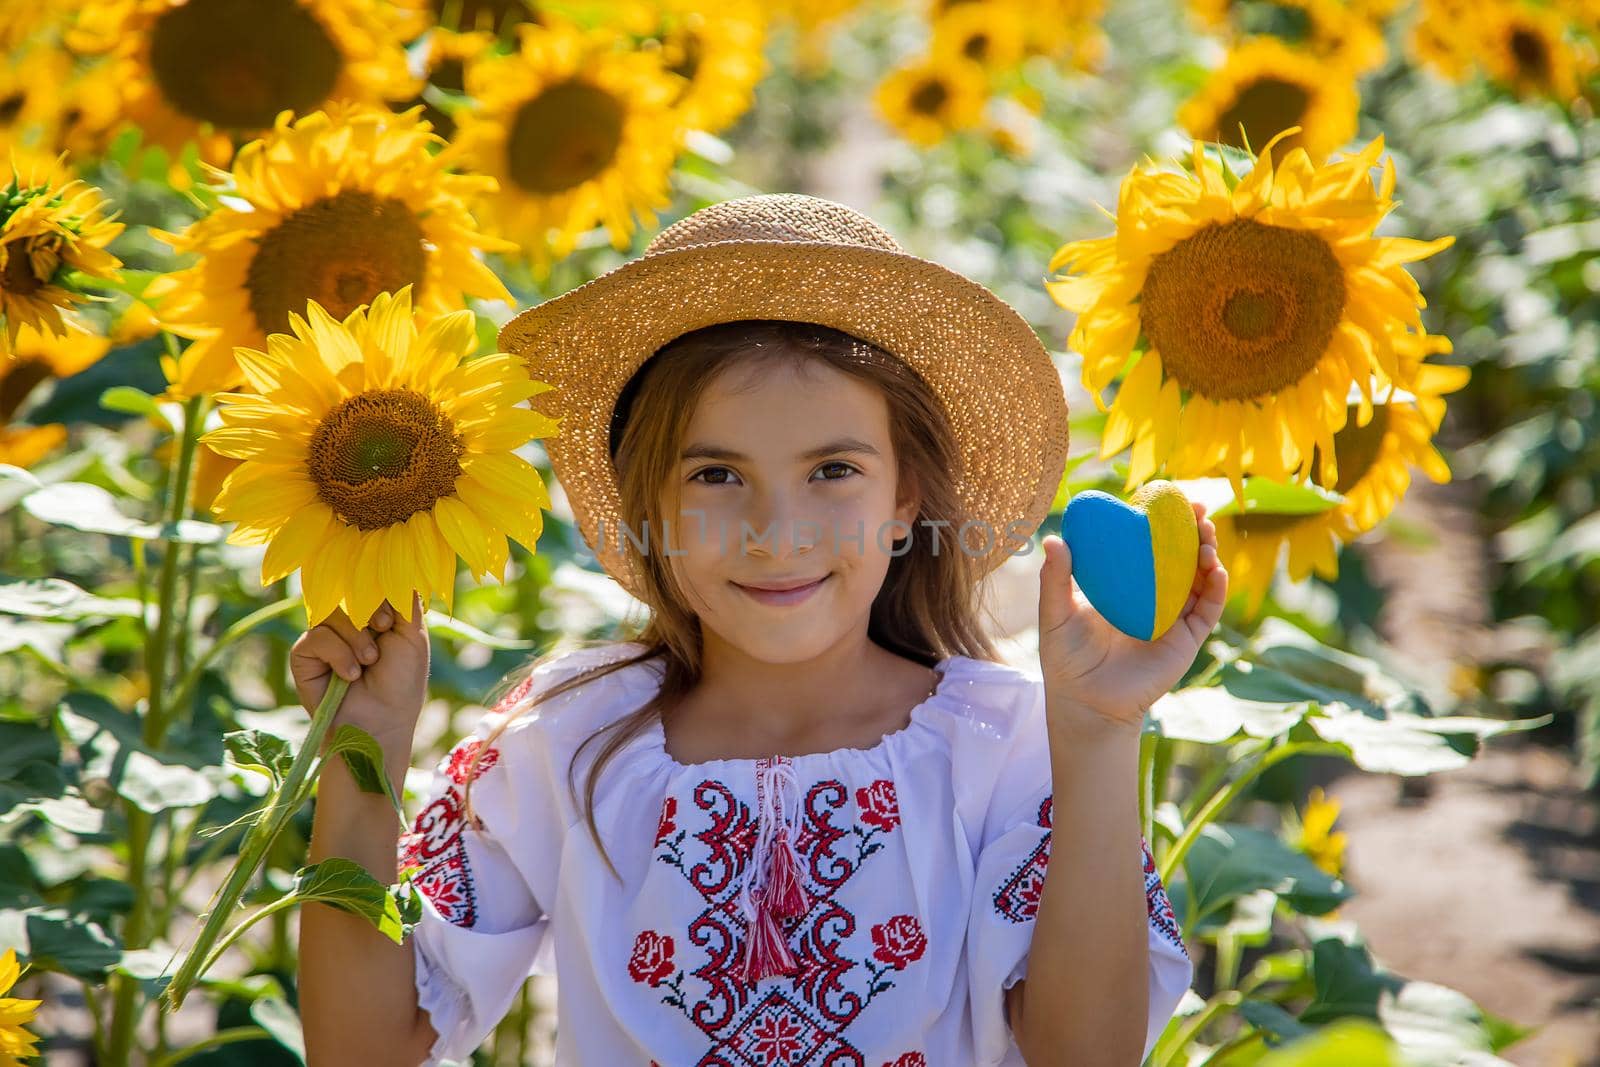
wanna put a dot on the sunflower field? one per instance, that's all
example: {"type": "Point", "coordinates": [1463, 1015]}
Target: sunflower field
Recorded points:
{"type": "Point", "coordinates": [1333, 266]}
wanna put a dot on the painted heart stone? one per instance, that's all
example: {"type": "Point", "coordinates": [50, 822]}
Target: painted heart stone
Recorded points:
{"type": "Point", "coordinates": [1135, 561]}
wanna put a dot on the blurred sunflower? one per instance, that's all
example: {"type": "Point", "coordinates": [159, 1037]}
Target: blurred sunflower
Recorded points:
{"type": "Point", "coordinates": [1266, 87]}
{"type": "Point", "coordinates": [1374, 462]}
{"type": "Point", "coordinates": [335, 207]}
{"type": "Point", "coordinates": [579, 130]}
{"type": "Point", "coordinates": [992, 33]}
{"type": "Point", "coordinates": [1256, 307]}
{"type": "Point", "coordinates": [31, 100]}
{"type": "Point", "coordinates": [1336, 31]}
{"type": "Point", "coordinates": [718, 51]}
{"type": "Point", "coordinates": [1443, 37]}
{"type": "Point", "coordinates": [445, 56]}
{"type": "Point", "coordinates": [36, 360]}
{"type": "Point", "coordinates": [373, 456]}
{"type": "Point", "coordinates": [1316, 836]}
{"type": "Point", "coordinates": [490, 18]}
{"type": "Point", "coordinates": [30, 23]}
{"type": "Point", "coordinates": [1524, 48]}
{"type": "Point", "coordinates": [930, 98]}
{"type": "Point", "coordinates": [50, 225]}
{"type": "Point", "coordinates": [15, 1041]}
{"type": "Point", "coordinates": [217, 72]}
{"type": "Point", "coordinates": [812, 23]}
{"type": "Point", "coordinates": [1066, 31]}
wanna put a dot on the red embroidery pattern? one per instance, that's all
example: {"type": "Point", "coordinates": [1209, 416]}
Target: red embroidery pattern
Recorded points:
{"type": "Point", "coordinates": [909, 1059]}
{"type": "Point", "coordinates": [1018, 896]}
{"type": "Point", "coordinates": [798, 1019]}
{"type": "Point", "coordinates": [434, 842]}
{"type": "Point", "coordinates": [1156, 902]}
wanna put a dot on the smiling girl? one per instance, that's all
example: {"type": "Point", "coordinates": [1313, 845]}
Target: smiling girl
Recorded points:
{"type": "Point", "coordinates": [804, 815]}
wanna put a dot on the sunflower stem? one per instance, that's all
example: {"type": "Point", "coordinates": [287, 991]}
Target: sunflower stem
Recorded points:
{"type": "Point", "coordinates": [126, 1008]}
{"type": "Point", "coordinates": [286, 799]}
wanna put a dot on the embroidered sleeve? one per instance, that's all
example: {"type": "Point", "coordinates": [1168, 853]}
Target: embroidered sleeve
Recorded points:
{"type": "Point", "coordinates": [482, 931]}
{"type": "Point", "coordinates": [1011, 866]}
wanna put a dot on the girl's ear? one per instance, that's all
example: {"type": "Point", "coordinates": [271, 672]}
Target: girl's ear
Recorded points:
{"type": "Point", "coordinates": [909, 500]}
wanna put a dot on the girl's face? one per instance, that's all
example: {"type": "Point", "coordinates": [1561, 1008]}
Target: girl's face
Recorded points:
{"type": "Point", "coordinates": [786, 476]}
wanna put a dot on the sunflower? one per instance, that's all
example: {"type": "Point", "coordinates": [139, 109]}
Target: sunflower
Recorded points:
{"type": "Point", "coordinates": [1344, 34]}
{"type": "Point", "coordinates": [15, 1042]}
{"type": "Point", "coordinates": [1524, 49]}
{"type": "Point", "coordinates": [1069, 32]}
{"type": "Point", "coordinates": [36, 359]}
{"type": "Point", "coordinates": [336, 207]}
{"type": "Point", "coordinates": [23, 23]}
{"type": "Point", "coordinates": [1316, 836]}
{"type": "Point", "coordinates": [930, 98]}
{"type": "Point", "coordinates": [489, 18]}
{"type": "Point", "coordinates": [1254, 309]}
{"type": "Point", "coordinates": [718, 52]}
{"type": "Point", "coordinates": [1443, 37]}
{"type": "Point", "coordinates": [446, 55]}
{"type": "Point", "coordinates": [992, 33]}
{"type": "Point", "coordinates": [218, 72]}
{"type": "Point", "coordinates": [579, 130]}
{"type": "Point", "coordinates": [1265, 87]}
{"type": "Point", "coordinates": [373, 455]}
{"type": "Point", "coordinates": [50, 225]}
{"type": "Point", "coordinates": [1374, 461]}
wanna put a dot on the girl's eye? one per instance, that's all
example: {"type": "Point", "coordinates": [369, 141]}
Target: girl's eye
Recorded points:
{"type": "Point", "coordinates": [842, 466]}
{"type": "Point", "coordinates": [712, 471]}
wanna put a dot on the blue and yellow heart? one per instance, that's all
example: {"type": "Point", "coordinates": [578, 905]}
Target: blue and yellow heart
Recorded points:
{"type": "Point", "coordinates": [1135, 561]}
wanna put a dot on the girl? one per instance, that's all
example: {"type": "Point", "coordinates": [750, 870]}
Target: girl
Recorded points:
{"type": "Point", "coordinates": [804, 815]}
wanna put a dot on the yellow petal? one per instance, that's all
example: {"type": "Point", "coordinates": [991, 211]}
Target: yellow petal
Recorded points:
{"type": "Point", "coordinates": [297, 541]}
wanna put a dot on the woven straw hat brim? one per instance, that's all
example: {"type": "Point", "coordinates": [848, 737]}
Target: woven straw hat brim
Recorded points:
{"type": "Point", "coordinates": [1001, 391]}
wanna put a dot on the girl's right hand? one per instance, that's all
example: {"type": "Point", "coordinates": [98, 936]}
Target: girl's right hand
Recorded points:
{"type": "Point", "coordinates": [386, 662]}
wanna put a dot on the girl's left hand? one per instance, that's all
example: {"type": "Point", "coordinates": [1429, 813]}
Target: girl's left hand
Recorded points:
{"type": "Point", "coordinates": [1106, 677]}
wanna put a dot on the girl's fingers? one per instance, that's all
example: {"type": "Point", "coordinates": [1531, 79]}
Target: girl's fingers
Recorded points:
{"type": "Point", "coordinates": [362, 644]}
{"type": "Point", "coordinates": [321, 646]}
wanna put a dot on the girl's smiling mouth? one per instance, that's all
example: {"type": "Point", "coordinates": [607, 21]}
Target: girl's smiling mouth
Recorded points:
{"type": "Point", "coordinates": [794, 594]}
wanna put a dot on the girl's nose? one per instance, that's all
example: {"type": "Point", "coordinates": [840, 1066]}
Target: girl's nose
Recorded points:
{"type": "Point", "coordinates": [779, 526]}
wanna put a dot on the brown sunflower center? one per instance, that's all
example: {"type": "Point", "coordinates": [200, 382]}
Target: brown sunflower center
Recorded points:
{"type": "Point", "coordinates": [1356, 448]}
{"type": "Point", "coordinates": [1531, 54]}
{"type": "Point", "coordinates": [929, 97]}
{"type": "Point", "coordinates": [380, 457]}
{"type": "Point", "coordinates": [237, 63]}
{"type": "Point", "coordinates": [340, 252]}
{"type": "Point", "coordinates": [494, 16]}
{"type": "Point", "coordinates": [1242, 309]}
{"type": "Point", "coordinates": [11, 107]}
{"type": "Point", "coordinates": [18, 381]}
{"type": "Point", "coordinates": [563, 137]}
{"type": "Point", "coordinates": [19, 276]}
{"type": "Point", "coordinates": [1264, 107]}
{"type": "Point", "coordinates": [690, 52]}
{"type": "Point", "coordinates": [976, 46]}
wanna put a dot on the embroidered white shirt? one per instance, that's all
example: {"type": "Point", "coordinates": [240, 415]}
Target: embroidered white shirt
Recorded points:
{"type": "Point", "coordinates": [921, 859]}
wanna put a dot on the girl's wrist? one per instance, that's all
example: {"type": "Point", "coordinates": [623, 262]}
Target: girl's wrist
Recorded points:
{"type": "Point", "coordinates": [1087, 723]}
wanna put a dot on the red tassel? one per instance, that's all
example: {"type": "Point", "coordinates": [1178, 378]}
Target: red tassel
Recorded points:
{"type": "Point", "coordinates": [766, 952]}
{"type": "Point", "coordinates": [788, 895]}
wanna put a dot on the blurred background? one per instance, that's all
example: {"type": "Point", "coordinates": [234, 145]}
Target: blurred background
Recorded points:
{"type": "Point", "coordinates": [1399, 719]}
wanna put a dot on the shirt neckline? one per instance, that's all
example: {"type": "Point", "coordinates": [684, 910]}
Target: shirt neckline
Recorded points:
{"type": "Point", "coordinates": [656, 735]}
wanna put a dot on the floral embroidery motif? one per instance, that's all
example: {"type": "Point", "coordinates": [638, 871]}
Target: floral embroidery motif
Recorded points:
{"type": "Point", "coordinates": [909, 1059]}
{"type": "Point", "coordinates": [899, 941]}
{"type": "Point", "coordinates": [878, 804]}
{"type": "Point", "coordinates": [434, 842]}
{"type": "Point", "coordinates": [667, 824]}
{"type": "Point", "coordinates": [1018, 896]}
{"type": "Point", "coordinates": [1156, 902]}
{"type": "Point", "coordinates": [798, 1019]}
{"type": "Point", "coordinates": [652, 958]}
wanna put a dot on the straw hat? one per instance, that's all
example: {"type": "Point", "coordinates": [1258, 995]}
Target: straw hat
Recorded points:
{"type": "Point", "coordinates": [802, 259]}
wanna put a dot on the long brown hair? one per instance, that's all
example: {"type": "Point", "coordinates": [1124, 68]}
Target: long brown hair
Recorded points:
{"type": "Point", "coordinates": [928, 607]}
